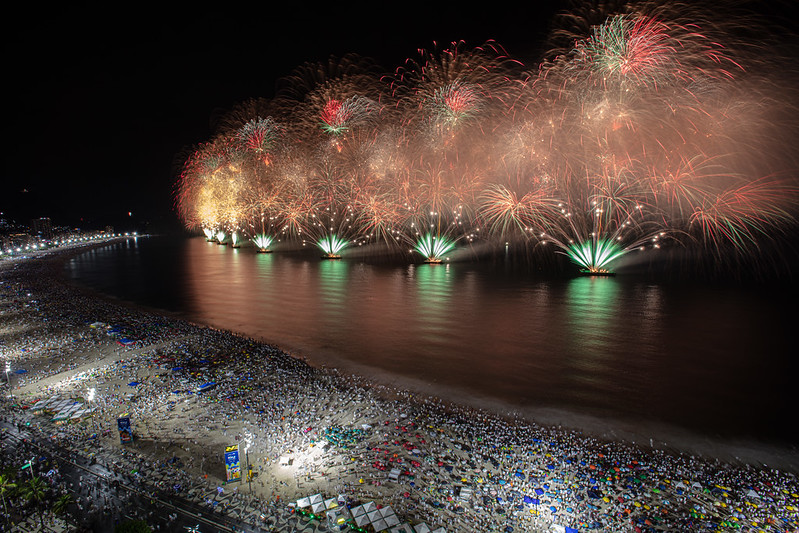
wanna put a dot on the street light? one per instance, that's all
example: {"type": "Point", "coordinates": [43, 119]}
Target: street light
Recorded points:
{"type": "Point", "coordinates": [8, 368]}
{"type": "Point", "coordinates": [247, 443]}
{"type": "Point", "coordinates": [90, 399]}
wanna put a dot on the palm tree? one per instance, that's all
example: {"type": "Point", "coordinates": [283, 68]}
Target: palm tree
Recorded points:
{"type": "Point", "coordinates": [6, 484]}
{"type": "Point", "coordinates": [62, 503]}
{"type": "Point", "coordinates": [36, 491]}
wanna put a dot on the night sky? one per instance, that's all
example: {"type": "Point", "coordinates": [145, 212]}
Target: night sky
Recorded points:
{"type": "Point", "coordinates": [99, 106]}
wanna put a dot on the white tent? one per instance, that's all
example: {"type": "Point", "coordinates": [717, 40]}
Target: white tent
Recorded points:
{"type": "Point", "coordinates": [317, 504]}
{"type": "Point", "coordinates": [421, 528]}
{"type": "Point", "coordinates": [337, 517]}
{"type": "Point", "coordinates": [391, 520]}
{"type": "Point", "coordinates": [304, 502]}
{"type": "Point", "coordinates": [331, 503]}
{"type": "Point", "coordinates": [379, 524]}
{"type": "Point", "coordinates": [402, 528]}
{"type": "Point", "coordinates": [361, 520]}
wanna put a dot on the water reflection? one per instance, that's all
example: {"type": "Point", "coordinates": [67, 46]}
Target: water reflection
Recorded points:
{"type": "Point", "coordinates": [594, 345]}
{"type": "Point", "coordinates": [333, 278]}
{"type": "Point", "coordinates": [593, 307]}
{"type": "Point", "coordinates": [433, 310]}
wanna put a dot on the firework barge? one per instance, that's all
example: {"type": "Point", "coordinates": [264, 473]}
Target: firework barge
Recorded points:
{"type": "Point", "coordinates": [315, 444]}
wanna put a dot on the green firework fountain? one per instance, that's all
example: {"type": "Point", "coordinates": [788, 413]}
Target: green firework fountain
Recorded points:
{"type": "Point", "coordinates": [263, 242]}
{"type": "Point", "coordinates": [433, 248]}
{"type": "Point", "coordinates": [331, 245]}
{"type": "Point", "coordinates": [595, 256]}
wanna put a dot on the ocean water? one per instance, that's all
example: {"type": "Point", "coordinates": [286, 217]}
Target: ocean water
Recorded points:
{"type": "Point", "coordinates": [621, 356]}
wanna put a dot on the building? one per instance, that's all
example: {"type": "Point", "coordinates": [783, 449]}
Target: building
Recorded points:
{"type": "Point", "coordinates": [42, 228]}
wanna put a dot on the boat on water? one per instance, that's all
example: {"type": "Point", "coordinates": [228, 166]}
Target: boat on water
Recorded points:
{"type": "Point", "coordinates": [599, 272]}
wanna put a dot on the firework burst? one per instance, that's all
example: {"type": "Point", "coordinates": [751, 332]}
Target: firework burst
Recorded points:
{"type": "Point", "coordinates": [648, 124]}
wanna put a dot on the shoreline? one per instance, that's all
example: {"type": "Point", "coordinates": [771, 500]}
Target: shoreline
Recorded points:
{"type": "Point", "coordinates": [661, 436]}
{"type": "Point", "coordinates": [352, 401]}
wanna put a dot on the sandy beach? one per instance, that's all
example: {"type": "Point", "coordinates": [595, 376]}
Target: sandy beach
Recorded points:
{"type": "Point", "coordinates": [191, 391]}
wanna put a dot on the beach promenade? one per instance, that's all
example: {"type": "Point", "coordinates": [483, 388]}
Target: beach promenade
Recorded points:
{"type": "Point", "coordinates": [319, 448]}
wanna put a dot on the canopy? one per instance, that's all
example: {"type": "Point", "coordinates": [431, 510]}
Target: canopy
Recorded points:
{"type": "Point", "coordinates": [208, 386]}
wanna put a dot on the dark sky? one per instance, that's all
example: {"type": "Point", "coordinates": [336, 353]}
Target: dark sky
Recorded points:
{"type": "Point", "coordinates": [98, 104]}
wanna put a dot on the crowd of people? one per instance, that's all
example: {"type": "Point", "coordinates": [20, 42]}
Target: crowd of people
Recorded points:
{"type": "Point", "coordinates": [190, 391]}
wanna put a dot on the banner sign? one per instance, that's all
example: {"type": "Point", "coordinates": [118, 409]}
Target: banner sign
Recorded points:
{"type": "Point", "coordinates": [125, 431]}
{"type": "Point", "coordinates": [232, 463]}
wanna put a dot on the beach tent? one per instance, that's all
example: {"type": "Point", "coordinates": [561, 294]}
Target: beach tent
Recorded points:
{"type": "Point", "coordinates": [379, 524]}
{"type": "Point", "coordinates": [206, 387]}
{"type": "Point", "coordinates": [391, 520]}
{"type": "Point", "coordinates": [361, 519]}
{"type": "Point", "coordinates": [317, 503]}
{"type": "Point", "coordinates": [402, 528]}
{"type": "Point", "coordinates": [302, 503]}
{"type": "Point", "coordinates": [337, 517]}
{"type": "Point", "coordinates": [331, 503]}
{"type": "Point", "coordinates": [66, 411]}
{"type": "Point", "coordinates": [421, 528]}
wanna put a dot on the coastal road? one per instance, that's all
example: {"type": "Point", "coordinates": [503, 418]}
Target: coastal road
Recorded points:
{"type": "Point", "coordinates": [114, 494]}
